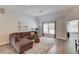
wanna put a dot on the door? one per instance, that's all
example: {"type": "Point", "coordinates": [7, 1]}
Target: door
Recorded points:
{"type": "Point", "coordinates": [49, 29]}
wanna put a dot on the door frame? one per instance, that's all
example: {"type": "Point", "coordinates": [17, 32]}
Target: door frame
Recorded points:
{"type": "Point", "coordinates": [54, 28]}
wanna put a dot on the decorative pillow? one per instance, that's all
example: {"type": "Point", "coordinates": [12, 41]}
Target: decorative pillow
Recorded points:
{"type": "Point", "coordinates": [32, 33]}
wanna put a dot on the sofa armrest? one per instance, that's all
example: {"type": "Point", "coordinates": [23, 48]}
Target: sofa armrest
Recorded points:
{"type": "Point", "coordinates": [12, 41]}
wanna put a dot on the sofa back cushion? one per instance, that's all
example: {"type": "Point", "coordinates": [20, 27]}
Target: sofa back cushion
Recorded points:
{"type": "Point", "coordinates": [18, 36]}
{"type": "Point", "coordinates": [32, 33]}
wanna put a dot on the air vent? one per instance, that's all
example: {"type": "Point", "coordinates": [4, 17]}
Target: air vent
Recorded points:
{"type": "Point", "coordinates": [2, 11]}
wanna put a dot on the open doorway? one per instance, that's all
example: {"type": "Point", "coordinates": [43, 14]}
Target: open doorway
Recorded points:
{"type": "Point", "coordinates": [72, 29]}
{"type": "Point", "coordinates": [72, 33]}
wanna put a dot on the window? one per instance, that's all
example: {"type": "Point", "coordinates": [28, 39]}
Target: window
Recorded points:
{"type": "Point", "coordinates": [73, 26]}
{"type": "Point", "coordinates": [49, 28]}
{"type": "Point", "coordinates": [45, 28]}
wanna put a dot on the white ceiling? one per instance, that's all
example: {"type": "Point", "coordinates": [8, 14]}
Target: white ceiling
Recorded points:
{"type": "Point", "coordinates": [34, 10]}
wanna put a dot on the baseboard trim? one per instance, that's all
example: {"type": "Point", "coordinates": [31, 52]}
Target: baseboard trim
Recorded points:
{"type": "Point", "coordinates": [61, 39]}
{"type": "Point", "coordinates": [3, 43]}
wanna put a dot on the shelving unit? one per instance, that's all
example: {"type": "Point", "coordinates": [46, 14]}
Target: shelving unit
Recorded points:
{"type": "Point", "coordinates": [21, 27]}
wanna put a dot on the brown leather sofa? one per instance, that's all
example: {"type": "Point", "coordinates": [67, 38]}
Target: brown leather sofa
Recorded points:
{"type": "Point", "coordinates": [23, 41]}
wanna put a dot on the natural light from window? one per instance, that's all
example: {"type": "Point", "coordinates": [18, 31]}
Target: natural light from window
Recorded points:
{"type": "Point", "coordinates": [49, 28]}
{"type": "Point", "coordinates": [73, 26]}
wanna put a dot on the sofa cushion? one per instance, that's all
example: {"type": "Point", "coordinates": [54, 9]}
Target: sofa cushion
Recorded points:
{"type": "Point", "coordinates": [33, 33]}
{"type": "Point", "coordinates": [23, 42]}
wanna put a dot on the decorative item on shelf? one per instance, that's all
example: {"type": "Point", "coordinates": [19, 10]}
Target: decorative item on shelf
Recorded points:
{"type": "Point", "coordinates": [36, 29]}
{"type": "Point", "coordinates": [19, 23]}
{"type": "Point", "coordinates": [37, 36]}
{"type": "Point", "coordinates": [37, 40]}
{"type": "Point", "coordinates": [21, 27]}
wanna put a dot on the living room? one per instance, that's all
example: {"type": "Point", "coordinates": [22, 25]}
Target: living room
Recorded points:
{"type": "Point", "coordinates": [25, 19]}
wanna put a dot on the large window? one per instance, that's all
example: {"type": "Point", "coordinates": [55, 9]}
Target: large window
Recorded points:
{"type": "Point", "coordinates": [49, 28]}
{"type": "Point", "coordinates": [73, 26]}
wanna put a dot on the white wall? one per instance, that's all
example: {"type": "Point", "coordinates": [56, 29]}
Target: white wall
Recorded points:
{"type": "Point", "coordinates": [78, 34]}
{"type": "Point", "coordinates": [8, 23]}
{"type": "Point", "coordinates": [61, 32]}
{"type": "Point", "coordinates": [78, 31]}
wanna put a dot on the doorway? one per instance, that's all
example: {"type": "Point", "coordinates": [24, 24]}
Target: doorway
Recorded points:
{"type": "Point", "coordinates": [72, 33]}
{"type": "Point", "coordinates": [72, 29]}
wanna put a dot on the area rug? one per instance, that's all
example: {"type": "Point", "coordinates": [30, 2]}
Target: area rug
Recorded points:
{"type": "Point", "coordinates": [42, 47]}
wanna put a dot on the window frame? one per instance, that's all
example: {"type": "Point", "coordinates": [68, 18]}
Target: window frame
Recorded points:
{"type": "Point", "coordinates": [48, 28]}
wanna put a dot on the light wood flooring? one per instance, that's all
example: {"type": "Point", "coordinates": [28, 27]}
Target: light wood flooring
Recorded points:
{"type": "Point", "coordinates": [59, 47]}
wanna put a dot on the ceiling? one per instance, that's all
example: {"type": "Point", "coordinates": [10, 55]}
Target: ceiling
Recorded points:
{"type": "Point", "coordinates": [38, 10]}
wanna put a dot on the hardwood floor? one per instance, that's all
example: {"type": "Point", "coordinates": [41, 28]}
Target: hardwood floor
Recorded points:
{"type": "Point", "coordinates": [7, 49]}
{"type": "Point", "coordinates": [59, 47]}
{"type": "Point", "coordinates": [63, 47]}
